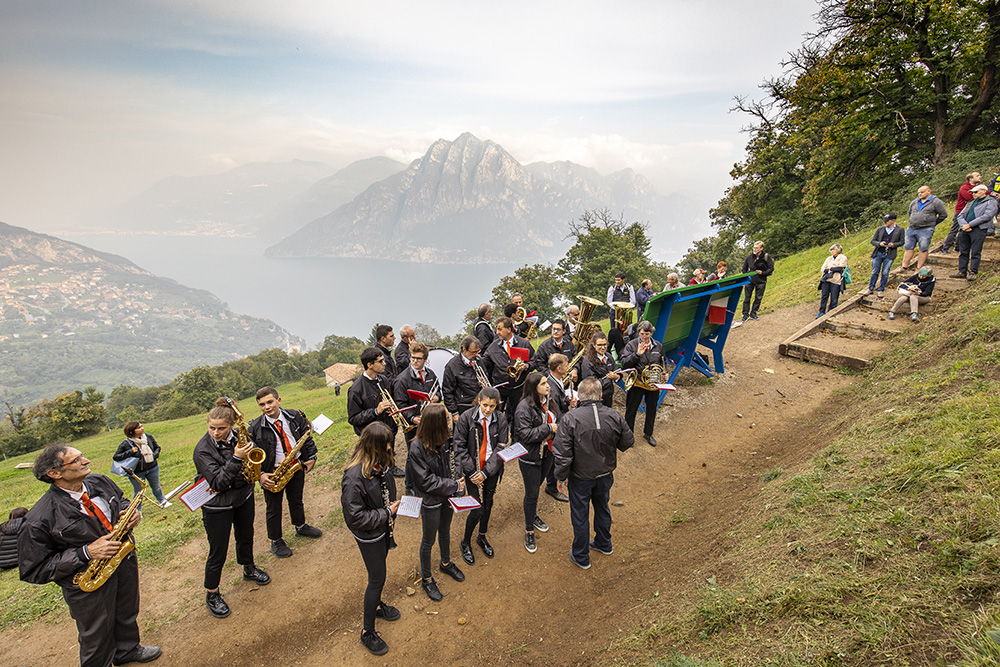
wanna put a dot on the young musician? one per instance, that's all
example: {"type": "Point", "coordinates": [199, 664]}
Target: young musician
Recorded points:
{"type": "Point", "coordinates": [416, 377]}
{"type": "Point", "coordinates": [384, 338]}
{"type": "Point", "coordinates": [558, 343]}
{"type": "Point", "coordinates": [429, 467]}
{"type": "Point", "coordinates": [460, 383]}
{"type": "Point", "coordinates": [218, 457]}
{"type": "Point", "coordinates": [277, 431]}
{"type": "Point", "coordinates": [639, 353]}
{"type": "Point", "coordinates": [68, 526]}
{"type": "Point", "coordinates": [534, 427]}
{"type": "Point", "coordinates": [401, 357]}
{"type": "Point", "coordinates": [498, 359]}
{"type": "Point", "coordinates": [482, 328]}
{"type": "Point", "coordinates": [559, 395]}
{"type": "Point", "coordinates": [531, 316]}
{"type": "Point", "coordinates": [365, 402]}
{"type": "Point", "coordinates": [480, 433]}
{"type": "Point", "coordinates": [368, 499]}
{"type": "Point", "coordinates": [599, 364]}
{"type": "Point", "coordinates": [620, 291]}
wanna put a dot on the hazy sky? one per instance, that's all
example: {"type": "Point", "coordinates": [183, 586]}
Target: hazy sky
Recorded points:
{"type": "Point", "coordinates": [100, 99]}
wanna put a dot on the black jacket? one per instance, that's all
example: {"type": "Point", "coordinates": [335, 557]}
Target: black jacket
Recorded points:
{"type": "Point", "coordinates": [265, 436]}
{"type": "Point", "coordinates": [926, 286]}
{"type": "Point", "coordinates": [896, 238]}
{"type": "Point", "coordinates": [364, 508]}
{"type": "Point", "coordinates": [599, 371]}
{"type": "Point", "coordinates": [483, 330]}
{"type": "Point", "coordinates": [430, 473]}
{"type": "Point", "coordinates": [407, 380]}
{"type": "Point", "coordinates": [632, 359]}
{"type": "Point", "coordinates": [459, 385]}
{"type": "Point", "coordinates": [391, 370]}
{"type": "Point", "coordinates": [764, 263]}
{"type": "Point", "coordinates": [224, 473]}
{"type": "Point", "coordinates": [496, 360]}
{"type": "Point", "coordinates": [124, 451]}
{"type": "Point", "coordinates": [363, 397]}
{"type": "Point", "coordinates": [8, 542]}
{"type": "Point", "coordinates": [548, 347]}
{"type": "Point", "coordinates": [401, 356]}
{"type": "Point", "coordinates": [589, 439]}
{"type": "Point", "coordinates": [468, 437]}
{"type": "Point", "coordinates": [531, 428]}
{"type": "Point", "coordinates": [51, 542]}
{"type": "Point", "coordinates": [557, 393]}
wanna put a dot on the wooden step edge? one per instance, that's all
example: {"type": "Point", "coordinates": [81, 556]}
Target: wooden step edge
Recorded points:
{"type": "Point", "coordinates": [832, 359]}
{"type": "Point", "coordinates": [820, 322]}
{"type": "Point", "coordinates": [856, 330]}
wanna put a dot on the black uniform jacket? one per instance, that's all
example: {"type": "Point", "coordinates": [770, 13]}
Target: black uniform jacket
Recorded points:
{"type": "Point", "coordinates": [496, 360]}
{"type": "Point", "coordinates": [365, 512]}
{"type": "Point", "coordinates": [763, 263]}
{"type": "Point", "coordinates": [390, 363]}
{"type": "Point", "coordinates": [401, 356]}
{"type": "Point", "coordinates": [459, 384]}
{"type": "Point", "coordinates": [363, 397]}
{"type": "Point", "coordinates": [557, 393]}
{"type": "Point", "coordinates": [590, 370]}
{"type": "Point", "coordinates": [589, 439]}
{"type": "Point", "coordinates": [469, 436]}
{"type": "Point", "coordinates": [632, 359]}
{"type": "Point", "coordinates": [124, 451]}
{"type": "Point", "coordinates": [532, 428]}
{"type": "Point", "coordinates": [265, 436]}
{"type": "Point", "coordinates": [549, 347]}
{"type": "Point", "coordinates": [483, 330]}
{"type": "Point", "coordinates": [430, 473]}
{"type": "Point", "coordinates": [407, 380]}
{"type": "Point", "coordinates": [224, 473]}
{"type": "Point", "coordinates": [50, 545]}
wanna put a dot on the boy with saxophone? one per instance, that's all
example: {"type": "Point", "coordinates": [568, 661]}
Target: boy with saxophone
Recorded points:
{"type": "Point", "coordinates": [277, 431]}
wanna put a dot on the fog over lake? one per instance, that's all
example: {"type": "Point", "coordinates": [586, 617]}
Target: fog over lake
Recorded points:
{"type": "Point", "coordinates": [311, 297]}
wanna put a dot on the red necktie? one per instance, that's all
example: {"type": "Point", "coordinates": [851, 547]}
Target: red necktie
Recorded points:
{"type": "Point", "coordinates": [95, 512]}
{"type": "Point", "coordinates": [421, 376]}
{"type": "Point", "coordinates": [482, 447]}
{"type": "Point", "coordinates": [281, 433]}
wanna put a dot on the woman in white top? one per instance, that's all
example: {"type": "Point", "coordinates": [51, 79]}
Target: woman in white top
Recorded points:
{"type": "Point", "coordinates": [831, 280]}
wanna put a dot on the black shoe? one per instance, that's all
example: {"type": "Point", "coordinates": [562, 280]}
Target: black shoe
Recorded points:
{"type": "Point", "coordinates": [431, 588]}
{"type": "Point", "coordinates": [529, 543]}
{"type": "Point", "coordinates": [651, 440]}
{"type": "Point", "coordinates": [608, 552]}
{"type": "Point", "coordinates": [485, 546]}
{"type": "Point", "coordinates": [280, 549]}
{"type": "Point", "coordinates": [558, 495]}
{"type": "Point", "coordinates": [452, 571]}
{"type": "Point", "coordinates": [971, 277]}
{"type": "Point", "coordinates": [374, 643]}
{"type": "Point", "coordinates": [254, 573]}
{"type": "Point", "coordinates": [754, 317]}
{"type": "Point", "coordinates": [541, 526]}
{"type": "Point", "coordinates": [387, 612]}
{"type": "Point", "coordinates": [957, 275]}
{"type": "Point", "coordinates": [398, 472]}
{"type": "Point", "coordinates": [217, 605]}
{"type": "Point", "coordinates": [466, 550]}
{"type": "Point", "coordinates": [582, 566]}
{"type": "Point", "coordinates": [305, 530]}
{"type": "Point", "coordinates": [140, 654]}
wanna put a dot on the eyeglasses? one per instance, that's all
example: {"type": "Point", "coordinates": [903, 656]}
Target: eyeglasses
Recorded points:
{"type": "Point", "coordinates": [416, 358]}
{"type": "Point", "coordinates": [75, 461]}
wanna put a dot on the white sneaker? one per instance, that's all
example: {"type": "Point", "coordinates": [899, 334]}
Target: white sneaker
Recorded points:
{"type": "Point", "coordinates": [165, 504]}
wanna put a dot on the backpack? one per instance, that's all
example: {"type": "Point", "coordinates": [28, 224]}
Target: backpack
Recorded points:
{"type": "Point", "coordinates": [847, 276]}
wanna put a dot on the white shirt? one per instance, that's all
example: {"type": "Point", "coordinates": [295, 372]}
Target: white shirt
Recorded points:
{"type": "Point", "coordinates": [489, 440]}
{"type": "Point", "coordinates": [279, 449]}
{"type": "Point", "coordinates": [99, 503]}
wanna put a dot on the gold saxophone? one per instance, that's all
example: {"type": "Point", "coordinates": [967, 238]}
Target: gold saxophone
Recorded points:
{"type": "Point", "coordinates": [251, 464]}
{"type": "Point", "coordinates": [290, 465]}
{"type": "Point", "coordinates": [98, 570]}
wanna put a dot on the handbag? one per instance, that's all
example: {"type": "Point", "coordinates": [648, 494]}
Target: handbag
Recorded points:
{"type": "Point", "coordinates": [847, 276]}
{"type": "Point", "coordinates": [118, 467]}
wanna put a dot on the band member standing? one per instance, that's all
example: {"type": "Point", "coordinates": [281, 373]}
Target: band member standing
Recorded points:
{"type": "Point", "coordinates": [558, 371]}
{"type": "Point", "coordinates": [368, 499]}
{"type": "Point", "coordinates": [480, 434]}
{"type": "Point", "coordinates": [460, 383]}
{"type": "Point", "coordinates": [429, 468]}
{"type": "Point", "coordinates": [534, 427]}
{"type": "Point", "coordinates": [482, 329]}
{"type": "Point", "coordinates": [277, 431]}
{"type": "Point", "coordinates": [384, 338]}
{"type": "Point", "coordinates": [401, 356]}
{"type": "Point", "coordinates": [597, 363]}
{"type": "Point", "coordinates": [557, 343]}
{"type": "Point", "coordinates": [416, 377]}
{"type": "Point", "coordinates": [620, 291]}
{"type": "Point", "coordinates": [498, 359]}
{"type": "Point", "coordinates": [531, 316]}
{"type": "Point", "coordinates": [365, 402]}
{"type": "Point", "coordinates": [572, 317]}
{"type": "Point", "coordinates": [639, 353]}
{"type": "Point", "coordinates": [68, 526]}
{"type": "Point", "coordinates": [219, 459]}
{"type": "Point", "coordinates": [586, 454]}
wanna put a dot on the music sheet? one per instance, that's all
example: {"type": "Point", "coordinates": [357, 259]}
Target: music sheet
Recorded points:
{"type": "Point", "coordinates": [464, 503]}
{"type": "Point", "coordinates": [515, 451]}
{"type": "Point", "coordinates": [410, 506]}
{"type": "Point", "coordinates": [321, 423]}
{"type": "Point", "coordinates": [197, 495]}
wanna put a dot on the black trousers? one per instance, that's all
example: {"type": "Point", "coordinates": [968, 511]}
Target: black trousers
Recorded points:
{"type": "Point", "coordinates": [747, 292]}
{"type": "Point", "coordinates": [510, 398]}
{"type": "Point", "coordinates": [970, 249]}
{"type": "Point", "coordinates": [582, 494]}
{"type": "Point", "coordinates": [481, 516]}
{"type": "Point", "coordinates": [296, 510]}
{"type": "Point", "coordinates": [533, 474]}
{"type": "Point", "coordinates": [105, 618]}
{"type": "Point", "coordinates": [436, 523]}
{"type": "Point", "coordinates": [633, 398]}
{"type": "Point", "coordinates": [949, 241]}
{"type": "Point", "coordinates": [616, 340]}
{"type": "Point", "coordinates": [217, 526]}
{"type": "Point", "coordinates": [374, 555]}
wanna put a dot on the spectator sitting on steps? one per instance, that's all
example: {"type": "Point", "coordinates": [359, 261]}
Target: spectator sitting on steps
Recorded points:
{"type": "Point", "coordinates": [917, 290]}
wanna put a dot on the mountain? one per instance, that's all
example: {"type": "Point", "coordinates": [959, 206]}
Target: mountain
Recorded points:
{"type": "Point", "coordinates": [228, 204]}
{"type": "Point", "coordinates": [469, 201]}
{"type": "Point", "coordinates": [71, 317]}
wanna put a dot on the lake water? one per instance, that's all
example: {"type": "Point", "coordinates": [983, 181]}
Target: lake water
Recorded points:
{"type": "Point", "coordinates": [312, 297]}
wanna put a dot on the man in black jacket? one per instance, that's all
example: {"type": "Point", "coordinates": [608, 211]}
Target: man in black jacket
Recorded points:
{"type": "Point", "coordinates": [761, 265]}
{"type": "Point", "coordinates": [586, 454]}
{"type": "Point", "coordinates": [401, 357]}
{"type": "Point", "coordinates": [557, 343]}
{"type": "Point", "coordinates": [415, 377]}
{"type": "Point", "coordinates": [482, 329]}
{"type": "Point", "coordinates": [498, 359]}
{"type": "Point", "coordinates": [67, 527]}
{"type": "Point", "coordinates": [277, 431]}
{"type": "Point", "coordinates": [886, 242]}
{"type": "Point", "coordinates": [460, 383]}
{"type": "Point", "coordinates": [384, 338]}
{"type": "Point", "coordinates": [365, 403]}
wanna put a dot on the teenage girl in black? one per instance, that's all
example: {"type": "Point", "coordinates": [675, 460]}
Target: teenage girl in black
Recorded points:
{"type": "Point", "coordinates": [534, 427]}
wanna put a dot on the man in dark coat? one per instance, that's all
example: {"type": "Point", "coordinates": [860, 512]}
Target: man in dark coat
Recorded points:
{"type": "Point", "coordinates": [761, 265]}
{"type": "Point", "coordinates": [885, 242]}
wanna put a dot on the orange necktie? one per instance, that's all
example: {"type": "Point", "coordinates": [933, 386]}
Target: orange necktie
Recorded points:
{"type": "Point", "coordinates": [421, 376]}
{"type": "Point", "coordinates": [281, 433]}
{"type": "Point", "coordinates": [482, 447]}
{"type": "Point", "coordinates": [95, 512]}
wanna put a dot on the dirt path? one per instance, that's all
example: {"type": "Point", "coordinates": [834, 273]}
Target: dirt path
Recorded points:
{"type": "Point", "coordinates": [674, 506]}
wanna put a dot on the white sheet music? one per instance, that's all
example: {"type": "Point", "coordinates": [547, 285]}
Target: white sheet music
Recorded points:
{"type": "Point", "coordinates": [508, 454]}
{"type": "Point", "coordinates": [197, 495]}
{"type": "Point", "coordinates": [320, 423]}
{"type": "Point", "coordinates": [463, 503]}
{"type": "Point", "coordinates": [410, 506]}
{"type": "Point", "coordinates": [665, 387]}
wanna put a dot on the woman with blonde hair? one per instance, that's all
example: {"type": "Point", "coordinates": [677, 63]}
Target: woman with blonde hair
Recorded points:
{"type": "Point", "coordinates": [831, 279]}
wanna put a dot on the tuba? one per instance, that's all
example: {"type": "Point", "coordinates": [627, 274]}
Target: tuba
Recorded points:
{"type": "Point", "coordinates": [584, 328]}
{"type": "Point", "coordinates": [98, 570]}
{"type": "Point", "coordinates": [624, 315]}
{"type": "Point", "coordinates": [290, 465]}
{"type": "Point", "coordinates": [251, 464]}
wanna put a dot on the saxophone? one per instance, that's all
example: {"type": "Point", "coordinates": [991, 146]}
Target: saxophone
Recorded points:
{"type": "Point", "coordinates": [290, 465]}
{"type": "Point", "coordinates": [251, 464]}
{"type": "Point", "coordinates": [98, 570]}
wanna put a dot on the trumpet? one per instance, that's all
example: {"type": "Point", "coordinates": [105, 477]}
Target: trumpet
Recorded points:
{"type": "Point", "coordinates": [484, 380]}
{"type": "Point", "coordinates": [394, 411]}
{"type": "Point", "coordinates": [515, 369]}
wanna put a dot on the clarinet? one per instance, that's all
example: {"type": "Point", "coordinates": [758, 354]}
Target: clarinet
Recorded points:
{"type": "Point", "coordinates": [385, 499]}
{"type": "Point", "coordinates": [451, 461]}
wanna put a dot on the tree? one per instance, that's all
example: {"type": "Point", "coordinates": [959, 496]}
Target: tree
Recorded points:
{"type": "Point", "coordinates": [70, 416]}
{"type": "Point", "coordinates": [340, 350]}
{"type": "Point", "coordinates": [539, 285]}
{"type": "Point", "coordinates": [17, 417]}
{"type": "Point", "coordinates": [199, 386]}
{"type": "Point", "coordinates": [427, 334]}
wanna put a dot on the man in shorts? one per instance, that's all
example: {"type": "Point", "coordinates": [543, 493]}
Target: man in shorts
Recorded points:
{"type": "Point", "coordinates": [926, 213]}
